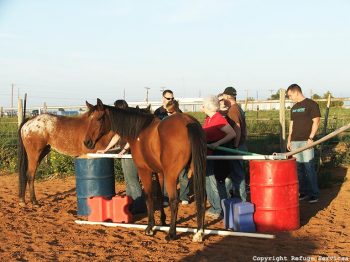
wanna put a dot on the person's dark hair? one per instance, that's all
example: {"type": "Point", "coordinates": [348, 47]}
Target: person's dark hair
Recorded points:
{"type": "Point", "coordinates": [121, 104]}
{"type": "Point", "coordinates": [172, 106]}
{"type": "Point", "coordinates": [167, 91]}
{"type": "Point", "coordinates": [294, 87]}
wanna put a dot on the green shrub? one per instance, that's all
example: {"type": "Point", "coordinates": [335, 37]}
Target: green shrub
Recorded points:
{"type": "Point", "coordinates": [8, 158]}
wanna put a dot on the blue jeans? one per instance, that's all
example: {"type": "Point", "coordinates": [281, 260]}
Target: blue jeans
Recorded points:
{"type": "Point", "coordinates": [184, 186]}
{"type": "Point", "coordinates": [306, 170]}
{"type": "Point", "coordinates": [133, 187]}
{"type": "Point", "coordinates": [214, 189]}
{"type": "Point", "coordinates": [237, 177]}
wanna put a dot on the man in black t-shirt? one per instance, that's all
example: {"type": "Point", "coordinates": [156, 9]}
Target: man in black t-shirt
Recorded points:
{"type": "Point", "coordinates": [305, 120]}
{"type": "Point", "coordinates": [161, 112]}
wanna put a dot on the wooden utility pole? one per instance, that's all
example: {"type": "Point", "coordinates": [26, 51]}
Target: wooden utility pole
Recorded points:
{"type": "Point", "coordinates": [147, 88]}
{"type": "Point", "coordinates": [282, 120]}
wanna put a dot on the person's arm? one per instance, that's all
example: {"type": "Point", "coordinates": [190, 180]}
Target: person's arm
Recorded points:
{"type": "Point", "coordinates": [315, 125]}
{"type": "Point", "coordinates": [233, 114]}
{"type": "Point", "coordinates": [125, 148]}
{"type": "Point", "coordinates": [230, 134]}
{"type": "Point", "coordinates": [237, 129]}
{"type": "Point", "coordinates": [290, 136]}
{"type": "Point", "coordinates": [113, 141]}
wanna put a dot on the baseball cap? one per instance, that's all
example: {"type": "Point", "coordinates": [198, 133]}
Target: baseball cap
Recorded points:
{"type": "Point", "coordinates": [230, 91]}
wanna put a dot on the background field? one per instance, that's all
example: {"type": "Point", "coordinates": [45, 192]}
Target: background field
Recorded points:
{"type": "Point", "coordinates": [263, 138]}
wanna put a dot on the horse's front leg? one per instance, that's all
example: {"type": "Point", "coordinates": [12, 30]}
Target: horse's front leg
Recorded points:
{"type": "Point", "coordinates": [146, 179]}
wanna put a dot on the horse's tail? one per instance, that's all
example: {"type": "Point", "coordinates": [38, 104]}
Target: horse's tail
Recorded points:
{"type": "Point", "coordinates": [22, 163]}
{"type": "Point", "coordinates": [198, 165]}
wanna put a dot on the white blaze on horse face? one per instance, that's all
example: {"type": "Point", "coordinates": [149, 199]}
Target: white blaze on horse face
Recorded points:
{"type": "Point", "coordinates": [41, 124]}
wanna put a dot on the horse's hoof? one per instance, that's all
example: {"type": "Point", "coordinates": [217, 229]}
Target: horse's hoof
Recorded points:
{"type": "Point", "coordinates": [149, 231]}
{"type": "Point", "coordinates": [22, 204]}
{"type": "Point", "coordinates": [170, 237]}
{"type": "Point", "coordinates": [198, 237]}
{"type": "Point", "coordinates": [36, 204]}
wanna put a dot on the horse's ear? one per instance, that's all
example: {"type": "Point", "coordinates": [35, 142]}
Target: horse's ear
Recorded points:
{"type": "Point", "coordinates": [89, 106]}
{"type": "Point", "coordinates": [148, 108]}
{"type": "Point", "coordinates": [99, 104]}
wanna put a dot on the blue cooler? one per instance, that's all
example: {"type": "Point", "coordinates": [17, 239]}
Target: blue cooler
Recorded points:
{"type": "Point", "coordinates": [243, 217]}
{"type": "Point", "coordinates": [228, 206]}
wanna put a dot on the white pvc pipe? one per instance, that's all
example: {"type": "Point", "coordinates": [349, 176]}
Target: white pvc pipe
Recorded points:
{"type": "Point", "coordinates": [262, 157]}
{"type": "Point", "coordinates": [179, 229]}
{"type": "Point", "coordinates": [258, 157]}
{"type": "Point", "coordinates": [95, 155]}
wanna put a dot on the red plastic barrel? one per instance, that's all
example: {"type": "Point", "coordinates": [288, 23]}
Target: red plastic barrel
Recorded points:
{"type": "Point", "coordinates": [274, 191]}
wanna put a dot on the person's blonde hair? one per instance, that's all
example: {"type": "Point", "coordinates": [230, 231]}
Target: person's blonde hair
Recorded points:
{"type": "Point", "coordinates": [211, 103]}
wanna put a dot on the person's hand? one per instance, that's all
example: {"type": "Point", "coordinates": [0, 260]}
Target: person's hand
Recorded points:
{"type": "Point", "coordinates": [100, 151]}
{"type": "Point", "coordinates": [309, 141]}
{"type": "Point", "coordinates": [289, 146]}
{"type": "Point", "coordinates": [121, 153]}
{"type": "Point", "coordinates": [214, 145]}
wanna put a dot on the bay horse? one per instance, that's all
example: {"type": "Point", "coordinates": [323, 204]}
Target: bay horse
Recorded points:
{"type": "Point", "coordinates": [164, 147]}
{"type": "Point", "coordinates": [38, 135]}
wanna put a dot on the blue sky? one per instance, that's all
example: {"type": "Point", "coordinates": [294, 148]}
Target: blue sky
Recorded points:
{"type": "Point", "coordinates": [65, 52]}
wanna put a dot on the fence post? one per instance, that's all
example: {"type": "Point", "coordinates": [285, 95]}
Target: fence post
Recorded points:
{"type": "Point", "coordinates": [324, 131]}
{"type": "Point", "coordinates": [282, 120]}
{"type": "Point", "coordinates": [1, 111]}
{"type": "Point", "coordinates": [20, 112]}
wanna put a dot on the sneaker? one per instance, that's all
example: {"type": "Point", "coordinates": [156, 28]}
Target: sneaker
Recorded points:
{"type": "Point", "coordinates": [184, 202]}
{"type": "Point", "coordinates": [213, 215]}
{"type": "Point", "coordinates": [303, 196]}
{"type": "Point", "coordinates": [313, 200]}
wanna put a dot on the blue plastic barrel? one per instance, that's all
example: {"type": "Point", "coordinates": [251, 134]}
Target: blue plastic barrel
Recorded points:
{"type": "Point", "coordinates": [94, 177]}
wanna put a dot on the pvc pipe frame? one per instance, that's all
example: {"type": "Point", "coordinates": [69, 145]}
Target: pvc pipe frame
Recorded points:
{"type": "Point", "coordinates": [179, 229]}
{"type": "Point", "coordinates": [275, 156]}
{"type": "Point", "coordinates": [257, 157]}
{"type": "Point", "coordinates": [323, 139]}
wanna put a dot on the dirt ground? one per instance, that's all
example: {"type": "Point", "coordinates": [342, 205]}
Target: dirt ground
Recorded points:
{"type": "Point", "coordinates": [49, 233]}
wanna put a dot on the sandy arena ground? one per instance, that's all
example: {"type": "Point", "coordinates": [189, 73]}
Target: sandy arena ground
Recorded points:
{"type": "Point", "coordinates": [49, 233]}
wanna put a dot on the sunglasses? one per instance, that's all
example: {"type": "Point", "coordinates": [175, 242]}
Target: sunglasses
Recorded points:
{"type": "Point", "coordinates": [168, 98]}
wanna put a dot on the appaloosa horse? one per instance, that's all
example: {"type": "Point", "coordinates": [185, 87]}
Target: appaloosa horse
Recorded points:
{"type": "Point", "coordinates": [41, 133]}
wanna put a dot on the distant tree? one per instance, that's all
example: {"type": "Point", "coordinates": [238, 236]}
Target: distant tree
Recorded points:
{"type": "Point", "coordinates": [316, 96]}
{"type": "Point", "coordinates": [323, 104]}
{"type": "Point", "coordinates": [250, 98]}
{"type": "Point", "coordinates": [275, 96]}
{"type": "Point", "coordinates": [325, 95]}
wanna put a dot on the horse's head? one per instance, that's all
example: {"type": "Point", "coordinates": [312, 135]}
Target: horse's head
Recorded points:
{"type": "Point", "coordinates": [98, 123]}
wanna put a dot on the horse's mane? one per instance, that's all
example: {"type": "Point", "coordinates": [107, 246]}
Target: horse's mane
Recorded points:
{"type": "Point", "coordinates": [129, 122]}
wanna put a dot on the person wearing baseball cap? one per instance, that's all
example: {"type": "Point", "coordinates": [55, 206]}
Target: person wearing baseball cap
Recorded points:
{"type": "Point", "coordinates": [230, 91]}
{"type": "Point", "coordinates": [236, 118]}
